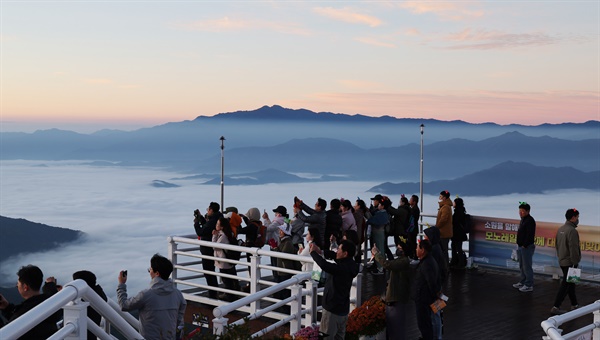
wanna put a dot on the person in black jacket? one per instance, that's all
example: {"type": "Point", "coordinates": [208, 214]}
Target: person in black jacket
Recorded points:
{"type": "Point", "coordinates": [413, 227]}
{"type": "Point", "coordinates": [525, 248]}
{"type": "Point", "coordinates": [459, 235]}
{"type": "Point", "coordinates": [425, 288]}
{"type": "Point", "coordinates": [29, 282]}
{"type": "Point", "coordinates": [333, 222]}
{"type": "Point", "coordinates": [204, 226]}
{"type": "Point", "coordinates": [336, 298]}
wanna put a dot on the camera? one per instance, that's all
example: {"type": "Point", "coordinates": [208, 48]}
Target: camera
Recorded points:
{"type": "Point", "coordinates": [196, 212]}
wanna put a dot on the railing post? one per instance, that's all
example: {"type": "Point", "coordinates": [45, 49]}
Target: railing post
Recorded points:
{"type": "Point", "coordinates": [596, 331]}
{"type": "Point", "coordinates": [254, 273]}
{"type": "Point", "coordinates": [76, 313]}
{"type": "Point", "coordinates": [296, 307]}
{"type": "Point", "coordinates": [219, 325]}
{"type": "Point", "coordinates": [311, 302]}
{"type": "Point", "coordinates": [355, 292]}
{"type": "Point", "coordinates": [173, 258]}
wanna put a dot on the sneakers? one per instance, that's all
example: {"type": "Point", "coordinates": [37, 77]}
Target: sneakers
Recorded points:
{"type": "Point", "coordinates": [518, 285]}
{"type": "Point", "coordinates": [526, 289]}
{"type": "Point", "coordinates": [556, 311]}
{"type": "Point", "coordinates": [376, 271]}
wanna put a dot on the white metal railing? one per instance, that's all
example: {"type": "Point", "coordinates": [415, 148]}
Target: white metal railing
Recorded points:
{"type": "Point", "coordinates": [75, 320]}
{"type": "Point", "coordinates": [551, 325]}
{"type": "Point", "coordinates": [188, 276]}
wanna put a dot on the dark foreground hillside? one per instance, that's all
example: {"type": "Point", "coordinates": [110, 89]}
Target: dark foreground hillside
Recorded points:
{"type": "Point", "coordinates": [22, 236]}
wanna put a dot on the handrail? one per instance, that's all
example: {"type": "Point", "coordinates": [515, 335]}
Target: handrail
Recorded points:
{"type": "Point", "coordinates": [72, 291]}
{"type": "Point", "coordinates": [226, 309]}
{"type": "Point", "coordinates": [551, 325]}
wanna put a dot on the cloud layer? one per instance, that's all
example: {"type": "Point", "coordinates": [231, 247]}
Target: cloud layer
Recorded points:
{"type": "Point", "coordinates": [127, 220]}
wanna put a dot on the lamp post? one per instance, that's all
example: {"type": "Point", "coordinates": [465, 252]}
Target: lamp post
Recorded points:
{"type": "Point", "coordinates": [222, 139]}
{"type": "Point", "coordinates": [421, 173]}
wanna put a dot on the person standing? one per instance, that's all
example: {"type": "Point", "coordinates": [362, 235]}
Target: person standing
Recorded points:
{"type": "Point", "coordinates": [444, 221]}
{"type": "Point", "coordinates": [397, 294]}
{"type": "Point", "coordinates": [525, 248]}
{"type": "Point", "coordinates": [161, 306]}
{"type": "Point", "coordinates": [569, 255]}
{"type": "Point", "coordinates": [204, 226]}
{"type": "Point", "coordinates": [336, 297]}
{"type": "Point", "coordinates": [29, 283]}
{"type": "Point", "coordinates": [459, 235]}
{"type": "Point", "coordinates": [415, 214]}
{"type": "Point", "coordinates": [316, 217]}
{"type": "Point", "coordinates": [273, 233]}
{"type": "Point", "coordinates": [224, 235]}
{"type": "Point", "coordinates": [425, 289]}
{"type": "Point", "coordinates": [377, 223]}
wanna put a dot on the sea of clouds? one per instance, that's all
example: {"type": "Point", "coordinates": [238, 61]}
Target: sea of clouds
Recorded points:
{"type": "Point", "coordinates": [127, 220]}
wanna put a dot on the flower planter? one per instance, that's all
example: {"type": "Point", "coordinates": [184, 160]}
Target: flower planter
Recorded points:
{"type": "Point", "coordinates": [378, 336]}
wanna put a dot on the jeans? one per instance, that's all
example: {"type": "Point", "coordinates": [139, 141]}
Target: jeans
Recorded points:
{"type": "Point", "coordinates": [525, 257]}
{"type": "Point", "coordinates": [378, 236]}
{"type": "Point", "coordinates": [436, 323]}
{"type": "Point", "coordinates": [565, 288]}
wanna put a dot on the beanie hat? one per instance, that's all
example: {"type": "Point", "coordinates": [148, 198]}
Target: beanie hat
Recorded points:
{"type": "Point", "coordinates": [253, 214]}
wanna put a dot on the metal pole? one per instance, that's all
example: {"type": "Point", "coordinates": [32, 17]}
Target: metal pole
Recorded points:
{"type": "Point", "coordinates": [421, 170]}
{"type": "Point", "coordinates": [222, 171]}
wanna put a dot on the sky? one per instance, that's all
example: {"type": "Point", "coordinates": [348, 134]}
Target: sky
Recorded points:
{"type": "Point", "coordinates": [88, 65]}
{"type": "Point", "coordinates": [127, 220]}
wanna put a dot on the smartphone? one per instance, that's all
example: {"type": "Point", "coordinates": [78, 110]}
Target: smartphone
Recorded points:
{"type": "Point", "coordinates": [124, 273]}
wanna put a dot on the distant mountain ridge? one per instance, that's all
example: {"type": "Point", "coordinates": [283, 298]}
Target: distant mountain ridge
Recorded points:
{"type": "Point", "coordinates": [180, 145]}
{"type": "Point", "coordinates": [23, 236]}
{"type": "Point", "coordinates": [505, 178]}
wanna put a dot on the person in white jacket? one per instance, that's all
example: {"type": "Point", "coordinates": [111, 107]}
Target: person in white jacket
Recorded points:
{"type": "Point", "coordinates": [312, 236]}
{"type": "Point", "coordinates": [161, 306]}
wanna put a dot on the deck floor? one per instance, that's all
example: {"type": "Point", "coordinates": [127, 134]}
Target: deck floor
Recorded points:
{"type": "Point", "coordinates": [483, 305]}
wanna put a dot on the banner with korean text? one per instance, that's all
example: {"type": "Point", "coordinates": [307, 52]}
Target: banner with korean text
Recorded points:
{"type": "Point", "coordinates": [492, 241]}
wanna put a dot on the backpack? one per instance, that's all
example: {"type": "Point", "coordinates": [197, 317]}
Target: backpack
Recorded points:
{"type": "Point", "coordinates": [261, 235]}
{"type": "Point", "coordinates": [232, 254]}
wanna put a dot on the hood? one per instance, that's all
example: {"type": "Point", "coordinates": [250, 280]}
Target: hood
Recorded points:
{"type": "Point", "coordinates": [161, 287]}
{"type": "Point", "coordinates": [433, 234]}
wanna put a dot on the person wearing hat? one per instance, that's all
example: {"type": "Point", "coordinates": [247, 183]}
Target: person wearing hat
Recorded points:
{"type": "Point", "coordinates": [375, 203]}
{"type": "Point", "coordinates": [253, 224]}
{"type": "Point", "coordinates": [316, 217]}
{"type": "Point", "coordinates": [273, 232]}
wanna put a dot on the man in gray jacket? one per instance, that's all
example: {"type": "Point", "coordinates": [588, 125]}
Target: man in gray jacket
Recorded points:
{"type": "Point", "coordinates": [569, 254]}
{"type": "Point", "coordinates": [161, 306]}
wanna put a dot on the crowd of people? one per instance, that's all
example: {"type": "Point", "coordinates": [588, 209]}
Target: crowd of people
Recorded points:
{"type": "Point", "coordinates": [418, 269]}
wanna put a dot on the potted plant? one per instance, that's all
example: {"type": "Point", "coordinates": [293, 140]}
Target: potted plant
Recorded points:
{"type": "Point", "coordinates": [307, 333]}
{"type": "Point", "coordinates": [366, 321]}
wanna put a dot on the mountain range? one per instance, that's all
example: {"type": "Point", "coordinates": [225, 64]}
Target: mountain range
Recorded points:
{"type": "Point", "coordinates": [277, 145]}
{"type": "Point", "coordinates": [505, 178]}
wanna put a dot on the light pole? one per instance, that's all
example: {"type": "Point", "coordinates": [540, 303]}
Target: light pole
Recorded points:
{"type": "Point", "coordinates": [222, 170]}
{"type": "Point", "coordinates": [421, 171]}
